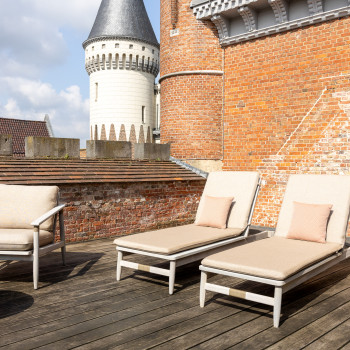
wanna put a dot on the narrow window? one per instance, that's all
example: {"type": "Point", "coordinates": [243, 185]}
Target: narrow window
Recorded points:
{"type": "Point", "coordinates": [131, 46]}
{"type": "Point", "coordinates": [143, 48]}
{"type": "Point", "coordinates": [103, 46]}
{"type": "Point", "coordinates": [143, 114]}
{"type": "Point", "coordinates": [93, 48]}
{"type": "Point", "coordinates": [96, 92]}
{"type": "Point", "coordinates": [117, 46]}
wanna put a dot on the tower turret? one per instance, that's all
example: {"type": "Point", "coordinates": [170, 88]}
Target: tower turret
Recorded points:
{"type": "Point", "coordinates": [122, 59]}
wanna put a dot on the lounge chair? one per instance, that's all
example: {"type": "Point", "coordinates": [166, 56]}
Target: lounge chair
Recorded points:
{"type": "Point", "coordinates": [28, 216]}
{"type": "Point", "coordinates": [291, 256]}
{"type": "Point", "coordinates": [185, 244]}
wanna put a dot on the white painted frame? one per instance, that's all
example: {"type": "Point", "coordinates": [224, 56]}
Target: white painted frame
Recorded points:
{"type": "Point", "coordinates": [37, 251]}
{"type": "Point", "coordinates": [186, 256]}
{"type": "Point", "coordinates": [280, 286]}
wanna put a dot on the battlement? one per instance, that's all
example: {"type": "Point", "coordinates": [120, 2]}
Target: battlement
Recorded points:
{"type": "Point", "coordinates": [121, 55]}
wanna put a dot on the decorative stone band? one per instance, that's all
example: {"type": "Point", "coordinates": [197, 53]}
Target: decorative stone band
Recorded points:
{"type": "Point", "coordinates": [220, 12]}
{"type": "Point", "coordinates": [122, 61]}
{"type": "Point", "coordinates": [191, 72]}
{"type": "Point", "coordinates": [116, 37]}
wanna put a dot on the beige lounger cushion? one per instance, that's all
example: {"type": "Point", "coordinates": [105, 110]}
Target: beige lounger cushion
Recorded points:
{"type": "Point", "coordinates": [20, 205]}
{"type": "Point", "coordinates": [318, 189]}
{"type": "Point", "coordinates": [238, 184]}
{"type": "Point", "coordinates": [22, 239]}
{"type": "Point", "coordinates": [274, 258]}
{"type": "Point", "coordinates": [175, 239]}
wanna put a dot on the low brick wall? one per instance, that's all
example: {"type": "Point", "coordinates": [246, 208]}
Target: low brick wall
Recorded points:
{"type": "Point", "coordinates": [114, 209]}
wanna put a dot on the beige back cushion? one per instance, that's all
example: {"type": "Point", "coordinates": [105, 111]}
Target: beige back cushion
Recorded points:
{"type": "Point", "coordinates": [318, 189]}
{"type": "Point", "coordinates": [20, 205]}
{"type": "Point", "coordinates": [238, 184]}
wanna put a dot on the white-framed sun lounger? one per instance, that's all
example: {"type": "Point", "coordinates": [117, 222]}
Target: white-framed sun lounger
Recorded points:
{"type": "Point", "coordinates": [185, 244]}
{"type": "Point", "coordinates": [281, 262]}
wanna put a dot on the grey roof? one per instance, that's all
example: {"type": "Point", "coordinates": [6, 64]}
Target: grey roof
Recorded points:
{"type": "Point", "coordinates": [122, 19]}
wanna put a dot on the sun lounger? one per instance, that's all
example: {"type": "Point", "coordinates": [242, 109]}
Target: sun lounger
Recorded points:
{"type": "Point", "coordinates": [185, 244]}
{"type": "Point", "coordinates": [285, 262]}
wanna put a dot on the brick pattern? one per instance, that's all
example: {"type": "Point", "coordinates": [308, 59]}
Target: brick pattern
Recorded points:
{"type": "Point", "coordinates": [20, 129]}
{"type": "Point", "coordinates": [191, 104]}
{"type": "Point", "coordinates": [286, 101]}
{"type": "Point", "coordinates": [193, 129]}
{"type": "Point", "coordinates": [290, 110]}
{"type": "Point", "coordinates": [107, 210]}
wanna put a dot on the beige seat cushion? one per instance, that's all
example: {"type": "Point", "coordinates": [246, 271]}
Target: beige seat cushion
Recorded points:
{"type": "Point", "coordinates": [22, 239]}
{"type": "Point", "coordinates": [175, 239]}
{"type": "Point", "coordinates": [274, 258]}
{"type": "Point", "coordinates": [20, 205]}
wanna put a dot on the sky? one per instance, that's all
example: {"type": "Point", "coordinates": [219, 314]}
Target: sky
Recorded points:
{"type": "Point", "coordinates": [42, 61]}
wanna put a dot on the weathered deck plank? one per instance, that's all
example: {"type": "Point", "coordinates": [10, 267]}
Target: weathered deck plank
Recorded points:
{"type": "Point", "coordinates": [82, 306]}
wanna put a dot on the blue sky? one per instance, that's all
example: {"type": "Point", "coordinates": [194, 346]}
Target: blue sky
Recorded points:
{"type": "Point", "coordinates": [42, 70]}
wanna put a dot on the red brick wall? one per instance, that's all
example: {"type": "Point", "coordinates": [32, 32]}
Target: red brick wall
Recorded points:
{"type": "Point", "coordinates": [191, 105]}
{"type": "Point", "coordinates": [286, 101]}
{"type": "Point", "coordinates": [287, 108]}
{"type": "Point", "coordinates": [106, 210]}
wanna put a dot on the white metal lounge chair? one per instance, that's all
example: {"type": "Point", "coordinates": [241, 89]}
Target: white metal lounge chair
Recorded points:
{"type": "Point", "coordinates": [28, 216]}
{"type": "Point", "coordinates": [185, 244]}
{"type": "Point", "coordinates": [282, 262]}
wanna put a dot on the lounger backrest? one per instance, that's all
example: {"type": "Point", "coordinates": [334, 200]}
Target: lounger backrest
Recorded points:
{"type": "Point", "coordinates": [318, 189]}
{"type": "Point", "coordinates": [241, 185]}
{"type": "Point", "coordinates": [20, 205]}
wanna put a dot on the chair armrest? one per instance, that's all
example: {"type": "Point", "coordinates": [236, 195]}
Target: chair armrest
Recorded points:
{"type": "Point", "coordinates": [46, 216]}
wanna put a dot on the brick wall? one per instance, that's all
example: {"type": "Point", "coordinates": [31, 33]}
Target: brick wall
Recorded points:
{"type": "Point", "coordinates": [286, 101]}
{"type": "Point", "coordinates": [191, 105]}
{"type": "Point", "coordinates": [107, 210]}
{"type": "Point", "coordinates": [287, 108]}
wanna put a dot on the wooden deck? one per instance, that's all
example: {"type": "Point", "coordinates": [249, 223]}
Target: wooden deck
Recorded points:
{"type": "Point", "coordinates": [82, 306]}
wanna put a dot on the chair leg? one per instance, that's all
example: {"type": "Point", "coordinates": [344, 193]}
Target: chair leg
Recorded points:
{"type": "Point", "coordinates": [277, 306]}
{"type": "Point", "coordinates": [172, 276]}
{"type": "Point", "coordinates": [119, 266]}
{"type": "Point", "coordinates": [204, 277]}
{"type": "Point", "coordinates": [36, 257]}
{"type": "Point", "coordinates": [63, 253]}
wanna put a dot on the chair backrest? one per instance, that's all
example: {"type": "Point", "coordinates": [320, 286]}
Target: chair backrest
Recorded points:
{"type": "Point", "coordinates": [20, 205]}
{"type": "Point", "coordinates": [241, 185]}
{"type": "Point", "coordinates": [318, 189]}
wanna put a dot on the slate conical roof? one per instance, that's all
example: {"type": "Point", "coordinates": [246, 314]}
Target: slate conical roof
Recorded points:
{"type": "Point", "coordinates": [126, 19]}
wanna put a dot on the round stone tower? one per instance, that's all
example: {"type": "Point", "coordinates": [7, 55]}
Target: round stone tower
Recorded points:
{"type": "Point", "coordinates": [122, 60]}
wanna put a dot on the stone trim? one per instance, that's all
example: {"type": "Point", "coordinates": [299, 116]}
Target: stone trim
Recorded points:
{"type": "Point", "coordinates": [192, 72]}
{"type": "Point", "coordinates": [221, 13]}
{"type": "Point", "coordinates": [116, 37]}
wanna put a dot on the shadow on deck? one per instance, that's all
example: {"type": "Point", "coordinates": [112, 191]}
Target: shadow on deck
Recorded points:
{"type": "Point", "coordinates": [81, 306]}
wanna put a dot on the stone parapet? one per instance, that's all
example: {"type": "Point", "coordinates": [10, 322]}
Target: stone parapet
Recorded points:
{"type": "Point", "coordinates": [6, 149]}
{"type": "Point", "coordinates": [50, 147]}
{"type": "Point", "coordinates": [152, 151]}
{"type": "Point", "coordinates": [97, 149]}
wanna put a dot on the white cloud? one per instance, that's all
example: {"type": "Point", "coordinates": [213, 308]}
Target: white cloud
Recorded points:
{"type": "Point", "coordinates": [32, 99]}
{"type": "Point", "coordinates": [33, 42]}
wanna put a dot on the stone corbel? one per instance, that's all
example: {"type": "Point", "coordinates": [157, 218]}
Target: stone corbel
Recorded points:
{"type": "Point", "coordinates": [316, 6]}
{"type": "Point", "coordinates": [222, 26]}
{"type": "Point", "coordinates": [280, 10]}
{"type": "Point", "coordinates": [249, 17]}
